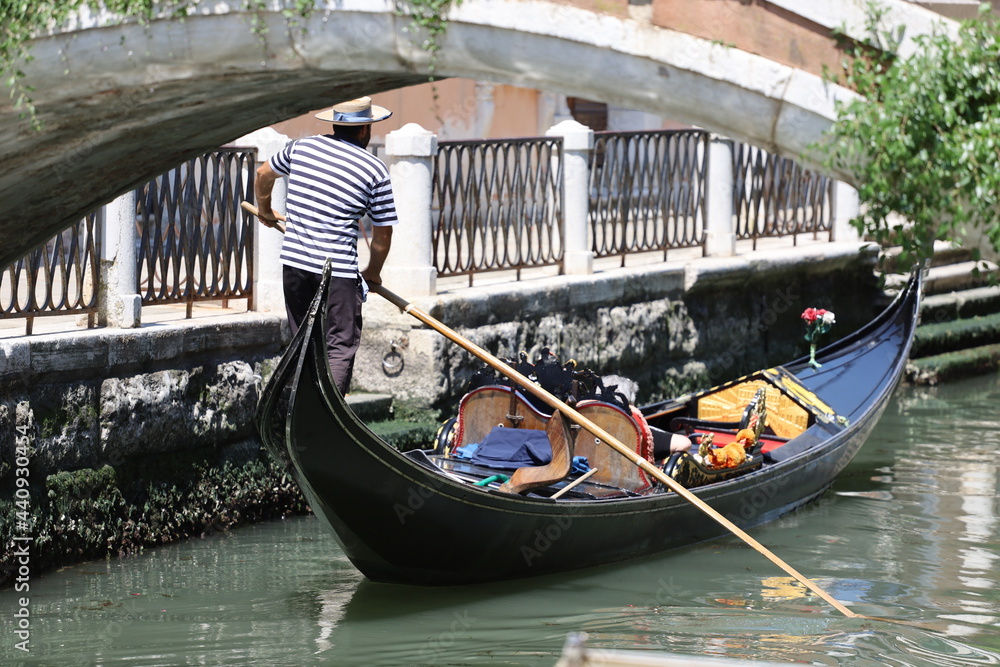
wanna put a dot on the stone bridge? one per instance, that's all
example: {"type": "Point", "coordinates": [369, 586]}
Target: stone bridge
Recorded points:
{"type": "Point", "coordinates": [121, 102]}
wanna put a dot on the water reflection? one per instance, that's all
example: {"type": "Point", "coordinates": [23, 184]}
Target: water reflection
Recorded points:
{"type": "Point", "coordinates": [909, 532]}
{"type": "Point", "coordinates": [944, 479]}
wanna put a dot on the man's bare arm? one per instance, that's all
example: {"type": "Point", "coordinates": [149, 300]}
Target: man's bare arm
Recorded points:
{"type": "Point", "coordinates": [262, 187]}
{"type": "Point", "coordinates": [381, 242]}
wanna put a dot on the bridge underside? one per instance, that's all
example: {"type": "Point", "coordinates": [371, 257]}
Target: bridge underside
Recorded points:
{"type": "Point", "coordinates": [92, 150]}
{"type": "Point", "coordinates": [121, 104]}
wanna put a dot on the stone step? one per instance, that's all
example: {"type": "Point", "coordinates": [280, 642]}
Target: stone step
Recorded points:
{"type": "Point", "coordinates": [963, 304]}
{"type": "Point", "coordinates": [949, 336]}
{"type": "Point", "coordinates": [955, 277]}
{"type": "Point", "coordinates": [371, 407]}
{"type": "Point", "coordinates": [945, 253]}
{"type": "Point", "coordinates": [954, 365]}
{"type": "Point", "coordinates": [946, 278]}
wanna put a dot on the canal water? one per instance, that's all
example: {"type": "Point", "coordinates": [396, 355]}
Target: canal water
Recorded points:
{"type": "Point", "coordinates": [910, 532]}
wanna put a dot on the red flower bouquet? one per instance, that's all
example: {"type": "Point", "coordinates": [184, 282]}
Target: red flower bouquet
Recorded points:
{"type": "Point", "coordinates": [818, 321]}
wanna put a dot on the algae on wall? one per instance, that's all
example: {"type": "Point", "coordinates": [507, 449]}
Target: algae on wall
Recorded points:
{"type": "Point", "coordinates": [89, 513]}
{"type": "Point", "coordinates": [118, 464]}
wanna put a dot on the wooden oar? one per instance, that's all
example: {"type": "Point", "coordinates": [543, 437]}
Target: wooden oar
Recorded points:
{"type": "Point", "coordinates": [608, 439]}
{"type": "Point", "coordinates": [275, 224]}
{"type": "Point", "coordinates": [578, 480]}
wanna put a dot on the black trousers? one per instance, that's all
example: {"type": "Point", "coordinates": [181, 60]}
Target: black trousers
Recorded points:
{"type": "Point", "coordinates": [343, 317]}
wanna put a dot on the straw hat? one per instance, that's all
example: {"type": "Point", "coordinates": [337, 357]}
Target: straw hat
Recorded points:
{"type": "Point", "coordinates": [355, 112]}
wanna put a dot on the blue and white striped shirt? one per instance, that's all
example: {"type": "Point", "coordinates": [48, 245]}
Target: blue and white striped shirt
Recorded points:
{"type": "Point", "coordinates": [331, 185]}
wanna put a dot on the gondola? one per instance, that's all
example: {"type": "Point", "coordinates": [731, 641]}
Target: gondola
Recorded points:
{"type": "Point", "coordinates": [435, 517]}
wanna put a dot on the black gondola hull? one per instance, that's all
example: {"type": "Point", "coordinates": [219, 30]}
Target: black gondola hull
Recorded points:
{"type": "Point", "coordinates": [399, 521]}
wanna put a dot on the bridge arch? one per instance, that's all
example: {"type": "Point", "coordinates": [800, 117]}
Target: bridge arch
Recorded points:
{"type": "Point", "coordinates": [121, 103]}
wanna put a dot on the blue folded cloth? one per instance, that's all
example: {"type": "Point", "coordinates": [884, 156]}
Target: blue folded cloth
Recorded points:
{"type": "Point", "coordinates": [513, 448]}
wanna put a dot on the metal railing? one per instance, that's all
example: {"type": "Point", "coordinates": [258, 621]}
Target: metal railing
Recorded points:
{"type": "Point", "coordinates": [195, 242]}
{"type": "Point", "coordinates": [647, 191]}
{"type": "Point", "coordinates": [497, 205]}
{"type": "Point", "coordinates": [59, 278]}
{"type": "Point", "coordinates": [775, 196]}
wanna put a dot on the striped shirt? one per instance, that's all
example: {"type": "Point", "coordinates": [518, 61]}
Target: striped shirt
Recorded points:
{"type": "Point", "coordinates": [331, 185]}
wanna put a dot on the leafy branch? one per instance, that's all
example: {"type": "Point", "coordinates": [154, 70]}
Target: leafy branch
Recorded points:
{"type": "Point", "coordinates": [431, 18]}
{"type": "Point", "coordinates": [24, 20]}
{"type": "Point", "coordinates": [923, 141]}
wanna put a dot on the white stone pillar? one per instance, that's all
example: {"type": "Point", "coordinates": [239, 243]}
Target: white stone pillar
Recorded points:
{"type": "Point", "coordinates": [720, 237]}
{"type": "Point", "coordinates": [118, 303]}
{"type": "Point", "coordinates": [846, 206]}
{"type": "Point", "coordinates": [268, 296]}
{"type": "Point", "coordinates": [485, 109]}
{"type": "Point", "coordinates": [410, 267]}
{"type": "Point", "coordinates": [578, 142]}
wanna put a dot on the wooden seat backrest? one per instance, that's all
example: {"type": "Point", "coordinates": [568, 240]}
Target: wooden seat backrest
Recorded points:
{"type": "Point", "coordinates": [613, 468]}
{"type": "Point", "coordinates": [487, 407]}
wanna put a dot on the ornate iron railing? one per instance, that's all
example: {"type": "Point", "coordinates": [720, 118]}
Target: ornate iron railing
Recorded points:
{"type": "Point", "coordinates": [775, 196]}
{"type": "Point", "coordinates": [647, 191]}
{"type": "Point", "coordinates": [59, 278]}
{"type": "Point", "coordinates": [497, 205]}
{"type": "Point", "coordinates": [195, 242]}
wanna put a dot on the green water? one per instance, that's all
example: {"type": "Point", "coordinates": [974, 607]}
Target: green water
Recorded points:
{"type": "Point", "coordinates": [911, 531]}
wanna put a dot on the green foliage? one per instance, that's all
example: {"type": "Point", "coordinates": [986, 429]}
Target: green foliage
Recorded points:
{"type": "Point", "coordinates": [923, 142]}
{"type": "Point", "coordinates": [21, 20]}
{"type": "Point", "coordinates": [24, 20]}
{"type": "Point", "coordinates": [406, 435]}
{"type": "Point", "coordinates": [429, 16]}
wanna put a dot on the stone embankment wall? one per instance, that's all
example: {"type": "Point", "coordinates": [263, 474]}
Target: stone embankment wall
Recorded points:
{"type": "Point", "coordinates": [115, 440]}
{"type": "Point", "coordinates": [670, 327]}
{"type": "Point", "coordinates": [119, 439]}
{"type": "Point", "coordinates": [110, 395]}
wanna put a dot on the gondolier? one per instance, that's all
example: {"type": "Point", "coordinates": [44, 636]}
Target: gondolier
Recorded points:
{"type": "Point", "coordinates": [333, 181]}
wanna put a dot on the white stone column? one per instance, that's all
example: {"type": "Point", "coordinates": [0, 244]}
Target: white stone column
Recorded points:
{"type": "Point", "coordinates": [578, 142]}
{"type": "Point", "coordinates": [268, 296]}
{"type": "Point", "coordinates": [720, 238]}
{"type": "Point", "coordinates": [410, 267]}
{"type": "Point", "coordinates": [118, 303]}
{"type": "Point", "coordinates": [846, 206]}
{"type": "Point", "coordinates": [485, 109]}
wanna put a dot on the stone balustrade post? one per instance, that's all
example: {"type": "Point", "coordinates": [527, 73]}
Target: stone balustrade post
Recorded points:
{"type": "Point", "coordinates": [118, 303]}
{"type": "Point", "coordinates": [846, 206]}
{"type": "Point", "coordinates": [268, 294]}
{"type": "Point", "coordinates": [720, 218]}
{"type": "Point", "coordinates": [410, 268]}
{"type": "Point", "coordinates": [578, 142]}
